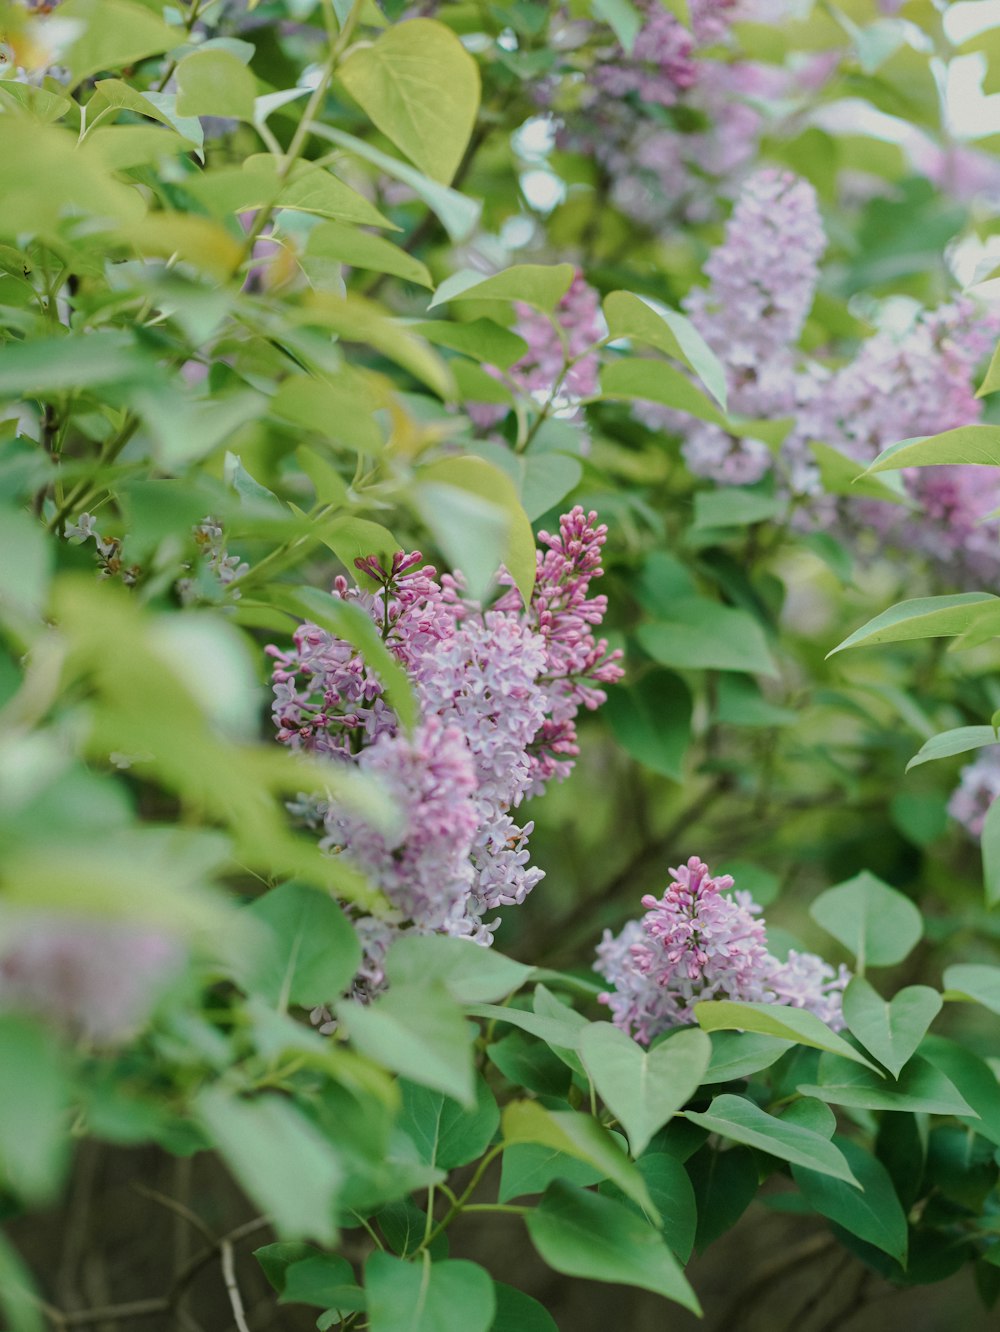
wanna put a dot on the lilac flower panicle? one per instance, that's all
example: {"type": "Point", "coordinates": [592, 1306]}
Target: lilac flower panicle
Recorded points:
{"type": "Point", "coordinates": [701, 941]}
{"type": "Point", "coordinates": [978, 787]}
{"type": "Point", "coordinates": [497, 690]}
{"type": "Point", "coordinates": [94, 979]}
{"type": "Point", "coordinates": [566, 338]}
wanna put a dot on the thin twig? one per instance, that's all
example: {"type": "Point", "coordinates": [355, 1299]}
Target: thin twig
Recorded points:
{"type": "Point", "coordinates": [178, 1208]}
{"type": "Point", "coordinates": [232, 1289]}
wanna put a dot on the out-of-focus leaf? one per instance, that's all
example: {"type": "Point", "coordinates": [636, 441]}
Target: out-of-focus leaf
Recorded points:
{"type": "Point", "coordinates": [360, 249]}
{"type": "Point", "coordinates": [215, 83]}
{"type": "Point", "coordinates": [112, 34]}
{"type": "Point", "coordinates": [540, 285]}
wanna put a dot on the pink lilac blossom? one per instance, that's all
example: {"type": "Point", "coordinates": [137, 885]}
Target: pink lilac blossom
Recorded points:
{"type": "Point", "coordinates": [497, 689]}
{"type": "Point", "coordinates": [661, 65]}
{"type": "Point", "coordinates": [978, 787]}
{"type": "Point", "coordinates": [701, 942]}
{"type": "Point", "coordinates": [554, 343]}
{"type": "Point", "coordinates": [93, 979]}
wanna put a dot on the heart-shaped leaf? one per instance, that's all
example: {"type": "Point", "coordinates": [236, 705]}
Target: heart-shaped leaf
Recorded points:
{"type": "Point", "coordinates": [644, 1088]}
{"type": "Point", "coordinates": [892, 1030]}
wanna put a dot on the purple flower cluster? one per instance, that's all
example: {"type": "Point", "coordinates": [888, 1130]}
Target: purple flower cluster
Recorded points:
{"type": "Point", "coordinates": [498, 692]}
{"type": "Point", "coordinates": [978, 787]}
{"type": "Point", "coordinates": [700, 942]}
{"type": "Point", "coordinates": [561, 361]}
{"type": "Point", "coordinates": [93, 979]}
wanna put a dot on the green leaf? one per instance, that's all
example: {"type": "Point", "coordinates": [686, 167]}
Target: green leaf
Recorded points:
{"type": "Point", "coordinates": [556, 1034]}
{"type": "Point", "coordinates": [975, 444]}
{"type": "Point", "coordinates": [580, 1136]}
{"type": "Point", "coordinates": [655, 381]}
{"type": "Point", "coordinates": [517, 1312]}
{"type": "Point", "coordinates": [973, 1078]}
{"type": "Point", "coordinates": [420, 87]}
{"type": "Point", "coordinates": [19, 1299]}
{"type": "Point", "coordinates": [314, 953]}
{"type": "Point", "coordinates": [112, 34]}
{"type": "Point", "coordinates": [418, 1032]}
{"type": "Point", "coordinates": [457, 213]}
{"type": "Point", "coordinates": [445, 1133]}
{"type": "Point", "coordinates": [530, 1167]}
{"type": "Point", "coordinates": [582, 1234]}
{"type": "Point", "coordinates": [643, 1089]}
{"type": "Point", "coordinates": [671, 1189]}
{"type": "Point", "coordinates": [641, 320]}
{"type": "Point", "coordinates": [891, 1031]}
{"type": "Point", "coordinates": [741, 703]}
{"type": "Point", "coordinates": [736, 1054]}
{"type": "Point", "coordinates": [702, 634]}
{"type": "Point", "coordinates": [281, 1161]}
{"type": "Point", "coordinates": [310, 189]}
{"type": "Point", "coordinates": [34, 1110]}
{"type": "Point", "coordinates": [957, 741]}
{"type": "Point", "coordinates": [976, 982]}
{"type": "Point", "coordinates": [360, 249]}
{"type": "Point", "coordinates": [421, 1296]}
{"type": "Point", "coordinates": [476, 550]}
{"type": "Point", "coordinates": [740, 1120]}
{"type": "Point", "coordinates": [920, 1088]}
{"type": "Point", "coordinates": [840, 476]}
{"type": "Point", "coordinates": [920, 617]}
{"type": "Point", "coordinates": [276, 1259]}
{"type": "Point", "coordinates": [357, 320]}
{"type": "Point", "coordinates": [781, 1020]}
{"type": "Point", "coordinates": [651, 719]}
{"type": "Point", "coordinates": [215, 83]}
{"type": "Point", "coordinates": [481, 339]}
{"type": "Point", "coordinates": [873, 921]}
{"type": "Point", "coordinates": [326, 1281]}
{"type": "Point", "coordinates": [724, 1183]}
{"type": "Point", "coordinates": [26, 560]}
{"type": "Point", "coordinates": [874, 1215]}
{"type": "Point", "coordinates": [733, 506]}
{"type": "Point", "coordinates": [470, 974]}
{"type": "Point", "coordinates": [540, 285]}
{"type": "Point", "coordinates": [48, 366]}
{"type": "Point", "coordinates": [990, 845]}
{"type": "Point", "coordinates": [622, 18]}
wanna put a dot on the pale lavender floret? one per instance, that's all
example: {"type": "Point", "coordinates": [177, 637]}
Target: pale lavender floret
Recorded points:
{"type": "Point", "coordinates": [698, 943]}
{"type": "Point", "coordinates": [978, 787]}
{"type": "Point", "coordinates": [423, 866]}
{"type": "Point", "coordinates": [661, 65]}
{"type": "Point", "coordinates": [96, 979]}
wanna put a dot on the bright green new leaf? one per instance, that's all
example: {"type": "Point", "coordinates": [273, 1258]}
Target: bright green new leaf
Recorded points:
{"type": "Point", "coordinates": [585, 1235]}
{"type": "Point", "coordinates": [280, 1159]}
{"type": "Point", "coordinates": [420, 87]}
{"type": "Point", "coordinates": [112, 34]}
{"type": "Point", "coordinates": [643, 1088]}
{"type": "Point", "coordinates": [892, 1030]}
{"type": "Point", "coordinates": [215, 83]}
{"type": "Point", "coordinates": [920, 1088]}
{"type": "Point", "coordinates": [540, 285]}
{"type": "Point", "coordinates": [875, 1214]}
{"type": "Point", "coordinates": [576, 1135]}
{"type": "Point", "coordinates": [921, 617]}
{"type": "Point", "coordinates": [976, 982]}
{"type": "Point", "coordinates": [418, 1032]}
{"type": "Point", "coordinates": [875, 922]}
{"type": "Point", "coordinates": [740, 1120]}
{"type": "Point", "coordinates": [977, 444]}
{"type": "Point", "coordinates": [257, 184]}
{"type": "Point", "coordinates": [702, 634]}
{"type": "Point", "coordinates": [781, 1020]}
{"type": "Point", "coordinates": [957, 741]}
{"type": "Point", "coordinates": [654, 381]}
{"type": "Point", "coordinates": [314, 952]}
{"type": "Point", "coordinates": [667, 330]}
{"type": "Point", "coordinates": [451, 1296]}
{"type": "Point", "coordinates": [457, 213]}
